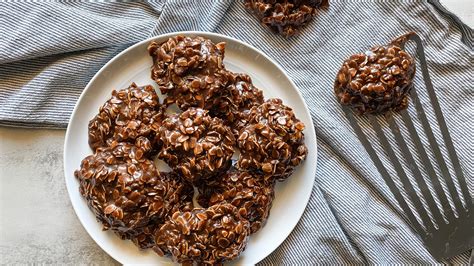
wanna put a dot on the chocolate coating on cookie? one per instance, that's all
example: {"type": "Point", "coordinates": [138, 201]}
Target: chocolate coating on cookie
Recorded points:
{"type": "Point", "coordinates": [376, 81]}
{"type": "Point", "coordinates": [233, 104]}
{"type": "Point", "coordinates": [190, 72]}
{"type": "Point", "coordinates": [285, 17]}
{"type": "Point", "coordinates": [181, 55]}
{"type": "Point", "coordinates": [127, 194]}
{"type": "Point", "coordinates": [249, 192]}
{"type": "Point", "coordinates": [188, 69]}
{"type": "Point", "coordinates": [272, 142]}
{"type": "Point", "coordinates": [196, 145]}
{"type": "Point", "coordinates": [205, 236]}
{"type": "Point", "coordinates": [127, 115]}
{"type": "Point", "coordinates": [146, 239]}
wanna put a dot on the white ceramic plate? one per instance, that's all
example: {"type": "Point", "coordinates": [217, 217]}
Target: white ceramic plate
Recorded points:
{"type": "Point", "coordinates": [134, 64]}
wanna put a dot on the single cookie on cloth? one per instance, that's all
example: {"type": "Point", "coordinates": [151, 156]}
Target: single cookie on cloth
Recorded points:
{"type": "Point", "coordinates": [272, 142]}
{"type": "Point", "coordinates": [126, 192]}
{"type": "Point", "coordinates": [196, 145]}
{"type": "Point", "coordinates": [377, 81]}
{"type": "Point", "coordinates": [127, 115]}
{"type": "Point", "coordinates": [205, 236]}
{"type": "Point", "coordinates": [247, 191]}
{"type": "Point", "coordinates": [285, 17]}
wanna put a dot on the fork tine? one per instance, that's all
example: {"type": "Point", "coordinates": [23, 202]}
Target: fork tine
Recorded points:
{"type": "Point", "coordinates": [429, 167]}
{"type": "Point", "coordinates": [445, 133]}
{"type": "Point", "coordinates": [413, 166]}
{"type": "Point", "coordinates": [383, 171]}
{"type": "Point", "coordinates": [401, 173]}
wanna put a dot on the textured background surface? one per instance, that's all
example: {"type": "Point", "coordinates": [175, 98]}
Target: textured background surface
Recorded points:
{"type": "Point", "coordinates": [33, 194]}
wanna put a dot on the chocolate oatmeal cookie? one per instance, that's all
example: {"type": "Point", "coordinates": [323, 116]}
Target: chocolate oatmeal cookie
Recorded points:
{"type": "Point", "coordinates": [196, 145]}
{"type": "Point", "coordinates": [247, 191]}
{"type": "Point", "coordinates": [272, 142]}
{"type": "Point", "coordinates": [127, 115]}
{"type": "Point", "coordinates": [376, 81]}
{"type": "Point", "coordinates": [126, 192]}
{"type": "Point", "coordinates": [285, 17]}
{"type": "Point", "coordinates": [205, 236]}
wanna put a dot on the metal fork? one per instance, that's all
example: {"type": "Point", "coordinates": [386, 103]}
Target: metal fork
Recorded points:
{"type": "Point", "coordinates": [443, 239]}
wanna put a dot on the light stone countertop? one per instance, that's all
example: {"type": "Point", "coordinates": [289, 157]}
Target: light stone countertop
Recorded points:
{"type": "Point", "coordinates": [37, 221]}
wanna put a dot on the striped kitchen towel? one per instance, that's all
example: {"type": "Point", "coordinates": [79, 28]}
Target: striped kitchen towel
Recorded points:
{"type": "Point", "coordinates": [49, 51]}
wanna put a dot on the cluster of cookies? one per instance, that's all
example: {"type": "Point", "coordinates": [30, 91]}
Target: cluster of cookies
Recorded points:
{"type": "Point", "coordinates": [221, 112]}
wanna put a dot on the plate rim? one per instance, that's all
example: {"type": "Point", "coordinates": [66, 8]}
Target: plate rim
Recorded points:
{"type": "Point", "coordinates": [310, 127]}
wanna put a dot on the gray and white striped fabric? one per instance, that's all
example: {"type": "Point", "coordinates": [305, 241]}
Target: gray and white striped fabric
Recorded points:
{"type": "Point", "coordinates": [49, 51]}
